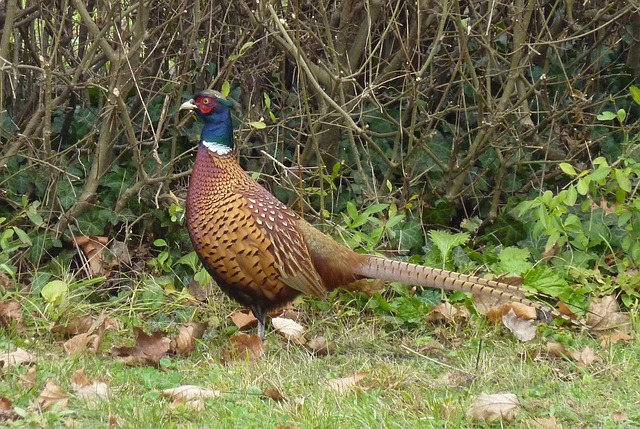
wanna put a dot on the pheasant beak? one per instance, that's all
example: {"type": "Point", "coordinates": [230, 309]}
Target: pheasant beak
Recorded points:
{"type": "Point", "coordinates": [188, 105]}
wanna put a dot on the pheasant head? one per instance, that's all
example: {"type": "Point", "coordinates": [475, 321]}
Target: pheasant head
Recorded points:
{"type": "Point", "coordinates": [214, 110]}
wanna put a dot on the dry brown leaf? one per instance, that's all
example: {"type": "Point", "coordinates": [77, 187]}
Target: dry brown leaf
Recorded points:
{"type": "Point", "coordinates": [445, 312]}
{"type": "Point", "coordinates": [10, 312]}
{"type": "Point", "coordinates": [366, 286]}
{"type": "Point", "coordinates": [615, 337]}
{"type": "Point", "coordinates": [120, 250]}
{"type": "Point", "coordinates": [484, 302]}
{"type": "Point", "coordinates": [521, 311]}
{"type": "Point", "coordinates": [605, 314]}
{"type": "Point", "coordinates": [77, 345]}
{"type": "Point", "coordinates": [319, 346]}
{"type": "Point", "coordinates": [273, 393]}
{"type": "Point", "coordinates": [16, 357]}
{"type": "Point", "coordinates": [564, 309]}
{"type": "Point", "coordinates": [523, 330]}
{"type": "Point", "coordinates": [342, 385]}
{"type": "Point", "coordinates": [74, 326]}
{"type": "Point", "coordinates": [93, 248]}
{"type": "Point", "coordinates": [149, 349]}
{"type": "Point", "coordinates": [52, 396]}
{"type": "Point", "coordinates": [184, 343]}
{"type": "Point", "coordinates": [545, 423]}
{"type": "Point", "coordinates": [431, 347]}
{"type": "Point", "coordinates": [247, 346]}
{"type": "Point", "coordinates": [191, 396]}
{"type": "Point", "coordinates": [287, 327]}
{"type": "Point", "coordinates": [88, 390]}
{"type": "Point", "coordinates": [492, 407]}
{"type": "Point", "coordinates": [243, 319]}
{"type": "Point", "coordinates": [29, 379]}
{"type": "Point", "coordinates": [619, 417]}
{"type": "Point", "coordinates": [456, 379]}
{"type": "Point", "coordinates": [585, 357]}
{"type": "Point", "coordinates": [7, 412]}
{"type": "Point", "coordinates": [558, 350]}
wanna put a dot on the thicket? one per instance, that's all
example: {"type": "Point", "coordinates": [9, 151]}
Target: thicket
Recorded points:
{"type": "Point", "coordinates": [514, 122]}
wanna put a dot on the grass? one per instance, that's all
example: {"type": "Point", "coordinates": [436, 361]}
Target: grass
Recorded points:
{"type": "Point", "coordinates": [402, 388]}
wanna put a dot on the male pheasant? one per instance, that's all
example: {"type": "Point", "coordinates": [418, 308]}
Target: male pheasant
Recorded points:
{"type": "Point", "coordinates": [262, 254]}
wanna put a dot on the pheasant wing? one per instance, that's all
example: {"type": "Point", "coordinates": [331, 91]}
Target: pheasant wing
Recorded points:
{"type": "Point", "coordinates": [291, 254]}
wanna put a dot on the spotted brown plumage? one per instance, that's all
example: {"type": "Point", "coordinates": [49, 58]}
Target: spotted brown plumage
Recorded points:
{"type": "Point", "coordinates": [262, 254]}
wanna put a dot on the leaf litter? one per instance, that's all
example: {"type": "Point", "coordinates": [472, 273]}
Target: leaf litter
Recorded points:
{"type": "Point", "coordinates": [496, 406]}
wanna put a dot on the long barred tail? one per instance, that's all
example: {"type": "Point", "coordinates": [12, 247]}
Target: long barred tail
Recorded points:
{"type": "Point", "coordinates": [418, 275]}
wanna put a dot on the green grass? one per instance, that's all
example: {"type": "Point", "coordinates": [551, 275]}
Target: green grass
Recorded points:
{"type": "Point", "coordinates": [402, 389]}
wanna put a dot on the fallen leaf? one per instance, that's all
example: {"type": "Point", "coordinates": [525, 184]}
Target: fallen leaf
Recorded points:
{"type": "Point", "coordinates": [557, 350]}
{"type": "Point", "coordinates": [247, 346]}
{"type": "Point", "coordinates": [492, 407]}
{"type": "Point", "coordinates": [545, 423]}
{"type": "Point", "coordinates": [10, 312]}
{"type": "Point", "coordinates": [7, 413]}
{"type": "Point", "coordinates": [564, 309]}
{"type": "Point", "coordinates": [484, 302]}
{"type": "Point", "coordinates": [16, 357]}
{"type": "Point", "coordinates": [6, 282]}
{"type": "Point", "coordinates": [366, 286]}
{"type": "Point", "coordinates": [287, 327]}
{"type": "Point", "coordinates": [74, 326]}
{"type": "Point", "coordinates": [342, 385]}
{"type": "Point", "coordinates": [191, 396]}
{"type": "Point", "coordinates": [52, 396]}
{"type": "Point", "coordinates": [273, 393]}
{"type": "Point", "coordinates": [523, 330]}
{"type": "Point", "coordinates": [184, 343]}
{"type": "Point", "coordinates": [445, 312]}
{"type": "Point", "coordinates": [29, 379]}
{"type": "Point", "coordinates": [88, 390]}
{"type": "Point", "coordinates": [199, 292]}
{"type": "Point", "coordinates": [93, 248]}
{"type": "Point", "coordinates": [243, 319]}
{"type": "Point", "coordinates": [149, 349]}
{"type": "Point", "coordinates": [524, 312]}
{"type": "Point", "coordinates": [615, 337]}
{"type": "Point", "coordinates": [431, 346]}
{"type": "Point", "coordinates": [585, 357]}
{"type": "Point", "coordinates": [319, 346]}
{"type": "Point", "coordinates": [605, 314]}
{"type": "Point", "coordinates": [120, 250]}
{"type": "Point", "coordinates": [456, 379]}
{"type": "Point", "coordinates": [619, 417]}
{"type": "Point", "coordinates": [76, 345]}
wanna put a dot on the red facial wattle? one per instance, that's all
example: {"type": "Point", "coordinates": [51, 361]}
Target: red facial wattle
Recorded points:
{"type": "Point", "coordinates": [205, 104]}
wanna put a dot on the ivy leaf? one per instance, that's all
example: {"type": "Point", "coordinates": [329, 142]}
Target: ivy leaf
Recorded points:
{"type": "Point", "coordinates": [409, 235]}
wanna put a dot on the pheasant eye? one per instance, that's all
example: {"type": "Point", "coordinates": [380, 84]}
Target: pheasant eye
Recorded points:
{"type": "Point", "coordinates": [205, 101]}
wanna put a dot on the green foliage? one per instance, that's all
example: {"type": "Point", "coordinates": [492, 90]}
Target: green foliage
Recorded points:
{"type": "Point", "coordinates": [596, 216]}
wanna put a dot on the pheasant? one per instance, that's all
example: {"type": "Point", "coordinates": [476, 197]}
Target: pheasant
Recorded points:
{"type": "Point", "coordinates": [263, 254]}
